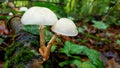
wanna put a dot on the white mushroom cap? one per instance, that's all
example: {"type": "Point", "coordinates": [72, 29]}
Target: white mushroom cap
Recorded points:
{"type": "Point", "coordinates": [10, 13]}
{"type": "Point", "coordinates": [39, 16]}
{"type": "Point", "coordinates": [23, 9]}
{"type": "Point", "coordinates": [65, 27]}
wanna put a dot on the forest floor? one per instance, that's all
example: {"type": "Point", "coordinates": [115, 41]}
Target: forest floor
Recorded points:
{"type": "Point", "coordinates": [109, 49]}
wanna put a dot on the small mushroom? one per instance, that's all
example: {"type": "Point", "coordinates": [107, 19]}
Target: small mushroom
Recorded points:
{"type": "Point", "coordinates": [40, 16]}
{"type": "Point", "coordinates": [23, 9]}
{"type": "Point", "coordinates": [10, 14]}
{"type": "Point", "coordinates": [64, 27]}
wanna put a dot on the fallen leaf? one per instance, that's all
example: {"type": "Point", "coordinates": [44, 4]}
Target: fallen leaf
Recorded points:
{"type": "Point", "coordinates": [112, 64]}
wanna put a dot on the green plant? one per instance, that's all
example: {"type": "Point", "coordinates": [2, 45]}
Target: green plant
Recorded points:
{"type": "Point", "coordinates": [71, 49]}
{"type": "Point", "coordinates": [117, 41]}
{"type": "Point", "coordinates": [33, 29]}
{"type": "Point", "coordinates": [100, 25]}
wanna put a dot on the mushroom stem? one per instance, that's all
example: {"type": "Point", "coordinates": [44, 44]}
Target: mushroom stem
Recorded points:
{"type": "Point", "coordinates": [42, 40]}
{"type": "Point", "coordinates": [49, 45]}
{"type": "Point", "coordinates": [48, 48]}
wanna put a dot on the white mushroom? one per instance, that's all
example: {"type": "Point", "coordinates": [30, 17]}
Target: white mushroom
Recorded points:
{"type": "Point", "coordinates": [65, 27]}
{"type": "Point", "coordinates": [10, 14]}
{"type": "Point", "coordinates": [40, 16]}
{"type": "Point", "coordinates": [23, 9]}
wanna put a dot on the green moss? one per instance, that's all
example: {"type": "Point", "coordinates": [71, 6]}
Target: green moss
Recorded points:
{"type": "Point", "coordinates": [11, 49]}
{"type": "Point", "coordinates": [17, 55]}
{"type": "Point", "coordinates": [25, 54]}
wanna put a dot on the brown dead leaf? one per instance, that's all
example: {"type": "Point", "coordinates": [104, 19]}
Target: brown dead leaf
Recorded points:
{"type": "Point", "coordinates": [37, 64]}
{"type": "Point", "coordinates": [1, 64]}
{"type": "Point", "coordinates": [112, 64]}
{"type": "Point", "coordinates": [3, 28]}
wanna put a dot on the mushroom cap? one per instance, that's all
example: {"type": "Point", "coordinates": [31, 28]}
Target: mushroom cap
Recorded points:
{"type": "Point", "coordinates": [65, 27]}
{"type": "Point", "coordinates": [39, 16]}
{"type": "Point", "coordinates": [23, 9]}
{"type": "Point", "coordinates": [10, 14]}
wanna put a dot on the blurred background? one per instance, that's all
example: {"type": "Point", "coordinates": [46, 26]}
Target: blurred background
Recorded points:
{"type": "Point", "coordinates": [78, 10]}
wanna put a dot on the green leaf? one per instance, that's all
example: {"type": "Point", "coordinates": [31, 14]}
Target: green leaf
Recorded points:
{"type": "Point", "coordinates": [92, 53]}
{"type": "Point", "coordinates": [71, 48]}
{"type": "Point", "coordinates": [33, 29]}
{"type": "Point", "coordinates": [66, 49]}
{"type": "Point", "coordinates": [87, 64]}
{"type": "Point", "coordinates": [68, 62]}
{"type": "Point", "coordinates": [5, 17]}
{"type": "Point", "coordinates": [48, 34]}
{"type": "Point", "coordinates": [97, 62]}
{"type": "Point", "coordinates": [117, 41]}
{"type": "Point", "coordinates": [77, 63]}
{"type": "Point", "coordinates": [6, 64]}
{"type": "Point", "coordinates": [99, 25]}
{"type": "Point", "coordinates": [53, 48]}
{"type": "Point", "coordinates": [80, 30]}
{"type": "Point", "coordinates": [1, 40]}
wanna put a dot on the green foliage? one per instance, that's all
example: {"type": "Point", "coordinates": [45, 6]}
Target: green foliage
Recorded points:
{"type": "Point", "coordinates": [100, 25]}
{"type": "Point", "coordinates": [4, 4]}
{"type": "Point", "coordinates": [53, 48]}
{"type": "Point", "coordinates": [20, 3]}
{"type": "Point", "coordinates": [17, 55]}
{"type": "Point", "coordinates": [1, 40]}
{"type": "Point", "coordinates": [88, 10]}
{"type": "Point", "coordinates": [6, 63]}
{"type": "Point", "coordinates": [48, 5]}
{"type": "Point", "coordinates": [88, 64]}
{"type": "Point", "coordinates": [117, 41]}
{"type": "Point", "coordinates": [5, 17]}
{"type": "Point", "coordinates": [48, 34]}
{"type": "Point", "coordinates": [67, 62]}
{"type": "Point", "coordinates": [10, 50]}
{"type": "Point", "coordinates": [33, 29]}
{"type": "Point", "coordinates": [71, 48]}
{"type": "Point", "coordinates": [82, 29]}
{"type": "Point", "coordinates": [25, 54]}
